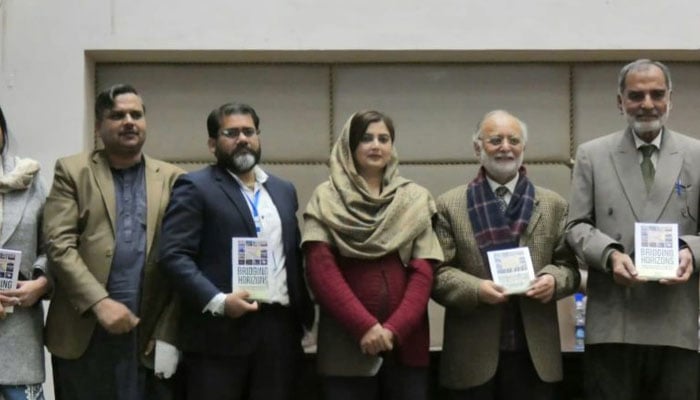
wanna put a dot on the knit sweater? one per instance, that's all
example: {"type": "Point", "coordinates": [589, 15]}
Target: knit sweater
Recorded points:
{"type": "Point", "coordinates": [359, 293]}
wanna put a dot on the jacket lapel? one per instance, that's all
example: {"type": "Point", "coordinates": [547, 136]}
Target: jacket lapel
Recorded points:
{"type": "Point", "coordinates": [232, 190]}
{"type": "Point", "coordinates": [629, 173]}
{"type": "Point", "coordinates": [154, 196]}
{"type": "Point", "coordinates": [645, 206]}
{"type": "Point", "coordinates": [13, 204]}
{"type": "Point", "coordinates": [532, 224]}
{"type": "Point", "coordinates": [105, 184]}
{"type": "Point", "coordinates": [668, 169]}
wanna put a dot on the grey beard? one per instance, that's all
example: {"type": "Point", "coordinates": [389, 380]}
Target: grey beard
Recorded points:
{"type": "Point", "coordinates": [243, 162]}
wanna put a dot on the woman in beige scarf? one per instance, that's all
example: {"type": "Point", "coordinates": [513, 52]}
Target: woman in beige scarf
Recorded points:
{"type": "Point", "coordinates": [22, 199]}
{"type": "Point", "coordinates": [370, 248]}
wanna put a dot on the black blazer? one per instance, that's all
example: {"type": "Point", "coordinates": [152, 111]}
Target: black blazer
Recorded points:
{"type": "Point", "coordinates": [206, 210]}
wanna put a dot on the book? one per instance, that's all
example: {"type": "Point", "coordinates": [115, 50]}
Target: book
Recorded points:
{"type": "Point", "coordinates": [656, 250]}
{"type": "Point", "coordinates": [512, 269]}
{"type": "Point", "coordinates": [250, 267]}
{"type": "Point", "coordinates": [10, 261]}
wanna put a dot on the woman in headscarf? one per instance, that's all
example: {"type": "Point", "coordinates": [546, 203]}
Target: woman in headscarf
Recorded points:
{"type": "Point", "coordinates": [370, 249]}
{"type": "Point", "coordinates": [22, 199]}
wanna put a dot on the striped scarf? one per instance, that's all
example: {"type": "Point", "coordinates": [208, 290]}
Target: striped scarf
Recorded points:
{"type": "Point", "coordinates": [492, 229]}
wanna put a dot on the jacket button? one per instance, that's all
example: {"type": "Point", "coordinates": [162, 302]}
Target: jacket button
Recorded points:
{"type": "Point", "coordinates": [618, 236]}
{"type": "Point", "coordinates": [610, 211]}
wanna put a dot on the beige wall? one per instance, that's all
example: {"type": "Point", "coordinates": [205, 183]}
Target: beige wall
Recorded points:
{"type": "Point", "coordinates": [435, 108]}
{"type": "Point", "coordinates": [423, 68]}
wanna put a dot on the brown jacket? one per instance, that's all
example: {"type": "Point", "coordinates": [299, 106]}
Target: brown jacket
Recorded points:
{"type": "Point", "coordinates": [472, 329]}
{"type": "Point", "coordinates": [79, 224]}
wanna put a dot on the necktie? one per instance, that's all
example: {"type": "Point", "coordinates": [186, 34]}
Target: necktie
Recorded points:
{"type": "Point", "coordinates": [648, 170]}
{"type": "Point", "coordinates": [501, 193]}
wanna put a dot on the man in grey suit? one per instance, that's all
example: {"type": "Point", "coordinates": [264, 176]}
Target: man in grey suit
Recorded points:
{"type": "Point", "coordinates": [500, 346]}
{"type": "Point", "coordinates": [642, 336]}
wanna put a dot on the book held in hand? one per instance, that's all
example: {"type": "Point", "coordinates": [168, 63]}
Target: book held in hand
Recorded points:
{"type": "Point", "coordinates": [250, 267]}
{"type": "Point", "coordinates": [10, 260]}
{"type": "Point", "coordinates": [656, 250]}
{"type": "Point", "coordinates": [512, 269]}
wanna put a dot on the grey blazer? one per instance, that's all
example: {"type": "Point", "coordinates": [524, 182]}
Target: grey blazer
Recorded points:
{"type": "Point", "coordinates": [21, 339]}
{"type": "Point", "coordinates": [607, 197]}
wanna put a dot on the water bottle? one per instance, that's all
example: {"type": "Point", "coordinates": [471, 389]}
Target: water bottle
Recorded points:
{"type": "Point", "coordinates": [580, 318]}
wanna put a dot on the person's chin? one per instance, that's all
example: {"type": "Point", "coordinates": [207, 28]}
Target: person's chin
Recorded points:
{"type": "Point", "coordinates": [502, 172]}
{"type": "Point", "coordinates": [647, 126]}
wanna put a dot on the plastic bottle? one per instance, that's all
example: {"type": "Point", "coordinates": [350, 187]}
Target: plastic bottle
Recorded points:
{"type": "Point", "coordinates": [580, 318]}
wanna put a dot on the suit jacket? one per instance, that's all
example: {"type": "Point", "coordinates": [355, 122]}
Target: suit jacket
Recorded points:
{"type": "Point", "coordinates": [608, 196]}
{"type": "Point", "coordinates": [206, 210]}
{"type": "Point", "coordinates": [79, 224]}
{"type": "Point", "coordinates": [21, 339]}
{"type": "Point", "coordinates": [472, 329]}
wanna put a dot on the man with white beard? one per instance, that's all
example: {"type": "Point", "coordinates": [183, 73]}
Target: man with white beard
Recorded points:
{"type": "Point", "coordinates": [499, 346]}
{"type": "Point", "coordinates": [236, 345]}
{"type": "Point", "coordinates": [641, 336]}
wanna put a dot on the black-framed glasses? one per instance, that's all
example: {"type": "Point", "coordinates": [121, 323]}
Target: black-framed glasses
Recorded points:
{"type": "Point", "coordinates": [234, 132]}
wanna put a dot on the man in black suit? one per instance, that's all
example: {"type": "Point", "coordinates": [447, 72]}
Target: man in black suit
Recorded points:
{"type": "Point", "coordinates": [236, 346]}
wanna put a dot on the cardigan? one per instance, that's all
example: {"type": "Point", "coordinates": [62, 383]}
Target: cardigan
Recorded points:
{"type": "Point", "coordinates": [355, 294]}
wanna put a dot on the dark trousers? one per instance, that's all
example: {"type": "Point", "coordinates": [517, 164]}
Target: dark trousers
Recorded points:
{"type": "Point", "coordinates": [631, 372]}
{"type": "Point", "coordinates": [515, 379]}
{"type": "Point", "coordinates": [392, 382]}
{"type": "Point", "coordinates": [108, 370]}
{"type": "Point", "coordinates": [270, 371]}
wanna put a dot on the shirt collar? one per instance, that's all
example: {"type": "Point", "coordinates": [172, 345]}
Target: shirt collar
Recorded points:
{"type": "Point", "coordinates": [510, 184]}
{"type": "Point", "coordinates": [260, 176]}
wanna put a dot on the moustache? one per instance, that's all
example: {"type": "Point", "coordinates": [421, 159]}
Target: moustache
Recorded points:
{"type": "Point", "coordinates": [242, 148]}
{"type": "Point", "coordinates": [504, 156]}
{"type": "Point", "coordinates": [647, 115]}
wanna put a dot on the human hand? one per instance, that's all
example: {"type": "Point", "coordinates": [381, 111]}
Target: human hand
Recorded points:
{"type": "Point", "coordinates": [685, 268]}
{"type": "Point", "coordinates": [491, 293]}
{"type": "Point", "coordinates": [623, 269]}
{"type": "Point", "coordinates": [114, 316]}
{"type": "Point", "coordinates": [236, 305]}
{"type": "Point", "coordinates": [376, 340]}
{"type": "Point", "coordinates": [7, 301]}
{"type": "Point", "coordinates": [28, 293]}
{"type": "Point", "coordinates": [3, 303]}
{"type": "Point", "coordinates": [542, 288]}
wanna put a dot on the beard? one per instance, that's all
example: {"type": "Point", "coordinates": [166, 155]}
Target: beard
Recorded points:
{"type": "Point", "coordinates": [646, 126]}
{"type": "Point", "coordinates": [500, 170]}
{"type": "Point", "coordinates": [241, 160]}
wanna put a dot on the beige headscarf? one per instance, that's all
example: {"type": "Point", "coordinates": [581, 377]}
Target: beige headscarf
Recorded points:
{"type": "Point", "coordinates": [343, 213]}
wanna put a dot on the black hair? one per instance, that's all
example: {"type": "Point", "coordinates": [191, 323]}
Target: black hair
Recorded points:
{"type": "Point", "coordinates": [361, 120]}
{"type": "Point", "coordinates": [215, 117]}
{"type": "Point", "coordinates": [105, 99]}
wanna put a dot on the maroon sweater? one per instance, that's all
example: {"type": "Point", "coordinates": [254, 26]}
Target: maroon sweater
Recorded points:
{"type": "Point", "coordinates": [359, 293]}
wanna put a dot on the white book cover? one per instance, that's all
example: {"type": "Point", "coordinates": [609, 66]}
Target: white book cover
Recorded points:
{"type": "Point", "coordinates": [250, 267]}
{"type": "Point", "coordinates": [10, 261]}
{"type": "Point", "coordinates": [656, 250]}
{"type": "Point", "coordinates": [512, 269]}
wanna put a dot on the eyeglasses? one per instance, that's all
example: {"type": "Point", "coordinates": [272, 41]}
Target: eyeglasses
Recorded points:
{"type": "Point", "coordinates": [234, 132]}
{"type": "Point", "coordinates": [498, 140]}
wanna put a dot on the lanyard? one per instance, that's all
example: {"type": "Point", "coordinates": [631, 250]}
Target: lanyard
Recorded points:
{"type": "Point", "coordinates": [254, 205]}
